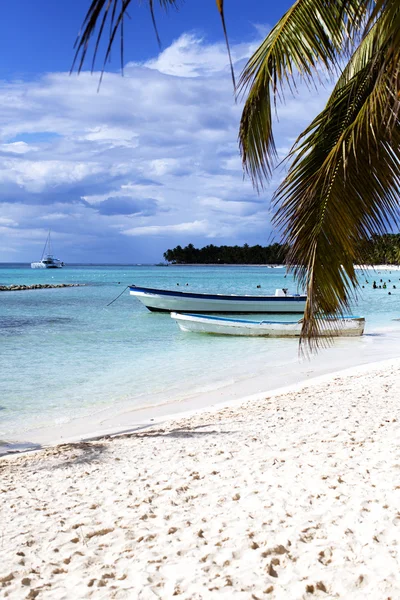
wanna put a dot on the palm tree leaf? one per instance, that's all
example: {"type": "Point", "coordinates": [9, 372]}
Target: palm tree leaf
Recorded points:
{"type": "Point", "coordinates": [97, 15]}
{"type": "Point", "coordinates": [388, 12]}
{"type": "Point", "coordinates": [342, 187]}
{"type": "Point", "coordinates": [220, 6]}
{"type": "Point", "coordinates": [360, 58]}
{"type": "Point", "coordinates": [313, 33]}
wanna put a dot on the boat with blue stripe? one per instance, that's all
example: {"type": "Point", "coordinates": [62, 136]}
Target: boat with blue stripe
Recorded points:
{"type": "Point", "coordinates": [191, 302]}
{"type": "Point", "coordinates": [346, 326]}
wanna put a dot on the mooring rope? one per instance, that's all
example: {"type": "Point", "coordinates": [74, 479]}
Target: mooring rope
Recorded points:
{"type": "Point", "coordinates": [119, 295]}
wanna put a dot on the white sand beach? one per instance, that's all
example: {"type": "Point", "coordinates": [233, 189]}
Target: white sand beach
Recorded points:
{"type": "Point", "coordinates": [290, 496]}
{"type": "Point", "coordinates": [378, 267]}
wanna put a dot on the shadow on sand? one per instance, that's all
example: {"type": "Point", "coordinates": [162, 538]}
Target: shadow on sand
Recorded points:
{"type": "Point", "coordinates": [85, 452]}
{"type": "Point", "coordinates": [180, 432]}
{"type": "Point", "coordinates": [78, 453]}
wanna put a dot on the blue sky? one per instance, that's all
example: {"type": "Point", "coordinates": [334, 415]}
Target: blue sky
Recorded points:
{"type": "Point", "coordinates": [150, 161]}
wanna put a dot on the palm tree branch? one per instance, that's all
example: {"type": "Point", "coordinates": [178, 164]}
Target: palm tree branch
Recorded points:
{"type": "Point", "coordinates": [311, 34]}
{"type": "Point", "coordinates": [97, 15]}
{"type": "Point", "coordinates": [220, 7]}
{"type": "Point", "coordinates": [361, 56]}
{"type": "Point", "coordinates": [342, 187]}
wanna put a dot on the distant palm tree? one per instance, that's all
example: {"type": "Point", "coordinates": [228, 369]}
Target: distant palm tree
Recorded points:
{"type": "Point", "coordinates": [344, 177]}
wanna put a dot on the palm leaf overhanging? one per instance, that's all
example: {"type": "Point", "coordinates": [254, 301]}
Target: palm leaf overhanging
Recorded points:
{"type": "Point", "coordinates": [343, 181]}
{"type": "Point", "coordinates": [114, 12]}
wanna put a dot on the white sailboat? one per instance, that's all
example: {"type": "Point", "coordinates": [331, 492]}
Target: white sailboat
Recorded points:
{"type": "Point", "coordinates": [48, 261]}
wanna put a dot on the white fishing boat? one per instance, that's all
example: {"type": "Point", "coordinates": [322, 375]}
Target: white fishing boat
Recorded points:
{"type": "Point", "coordinates": [337, 327]}
{"type": "Point", "coordinates": [48, 261]}
{"type": "Point", "coordinates": [168, 301]}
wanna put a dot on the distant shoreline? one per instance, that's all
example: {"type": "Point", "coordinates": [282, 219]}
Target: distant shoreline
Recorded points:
{"type": "Point", "coordinates": [268, 266]}
{"type": "Point", "coordinates": [278, 266]}
{"type": "Point", "coordinates": [377, 267]}
{"type": "Point", "coordinates": [382, 267]}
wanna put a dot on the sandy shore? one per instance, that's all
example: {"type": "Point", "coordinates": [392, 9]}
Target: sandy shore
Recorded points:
{"type": "Point", "coordinates": [292, 496]}
{"type": "Point", "coordinates": [378, 267]}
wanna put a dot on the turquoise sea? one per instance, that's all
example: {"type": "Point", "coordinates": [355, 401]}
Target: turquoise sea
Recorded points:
{"type": "Point", "coordinates": [64, 354]}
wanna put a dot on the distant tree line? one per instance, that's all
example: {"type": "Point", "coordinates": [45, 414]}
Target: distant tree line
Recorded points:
{"type": "Point", "coordinates": [229, 255]}
{"type": "Point", "coordinates": [379, 249]}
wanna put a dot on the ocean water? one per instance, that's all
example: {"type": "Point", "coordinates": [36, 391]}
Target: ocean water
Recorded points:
{"type": "Point", "coordinates": [65, 354]}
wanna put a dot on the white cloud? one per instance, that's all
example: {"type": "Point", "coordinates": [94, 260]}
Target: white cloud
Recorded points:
{"type": "Point", "coordinates": [8, 222]}
{"type": "Point", "coordinates": [225, 206]}
{"type": "Point", "coordinates": [153, 154]}
{"type": "Point", "coordinates": [55, 216]}
{"type": "Point", "coordinates": [190, 56]}
{"type": "Point", "coordinates": [17, 148]}
{"type": "Point", "coordinates": [111, 137]}
{"type": "Point", "coordinates": [195, 227]}
{"type": "Point", "coordinates": [35, 176]}
{"type": "Point", "coordinates": [162, 166]}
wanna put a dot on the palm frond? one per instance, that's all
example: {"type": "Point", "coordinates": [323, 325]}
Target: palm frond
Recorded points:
{"type": "Point", "coordinates": [313, 33]}
{"type": "Point", "coordinates": [343, 185]}
{"type": "Point", "coordinates": [388, 12]}
{"type": "Point", "coordinates": [114, 11]}
{"type": "Point", "coordinates": [220, 6]}
{"type": "Point", "coordinates": [360, 58]}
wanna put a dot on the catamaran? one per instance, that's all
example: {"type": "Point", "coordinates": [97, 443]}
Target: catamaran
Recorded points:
{"type": "Point", "coordinates": [189, 302]}
{"type": "Point", "coordinates": [48, 261]}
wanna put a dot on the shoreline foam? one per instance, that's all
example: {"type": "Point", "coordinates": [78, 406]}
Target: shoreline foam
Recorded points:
{"type": "Point", "coordinates": [128, 419]}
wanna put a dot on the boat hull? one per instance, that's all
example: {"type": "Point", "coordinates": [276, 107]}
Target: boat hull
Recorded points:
{"type": "Point", "coordinates": [186, 302]}
{"type": "Point", "coordinates": [41, 265]}
{"type": "Point", "coordinates": [345, 327]}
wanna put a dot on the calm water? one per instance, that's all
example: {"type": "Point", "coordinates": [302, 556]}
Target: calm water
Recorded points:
{"type": "Point", "coordinates": [65, 354]}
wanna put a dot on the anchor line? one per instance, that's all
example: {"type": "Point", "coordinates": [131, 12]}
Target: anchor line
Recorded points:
{"type": "Point", "coordinates": [119, 295]}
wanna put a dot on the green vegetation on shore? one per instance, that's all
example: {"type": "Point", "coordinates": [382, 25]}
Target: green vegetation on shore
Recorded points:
{"type": "Point", "coordinates": [230, 255]}
{"type": "Point", "coordinates": [379, 249]}
{"type": "Point", "coordinates": [382, 249]}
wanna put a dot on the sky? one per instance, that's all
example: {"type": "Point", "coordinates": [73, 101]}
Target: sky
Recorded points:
{"type": "Point", "coordinates": [148, 161]}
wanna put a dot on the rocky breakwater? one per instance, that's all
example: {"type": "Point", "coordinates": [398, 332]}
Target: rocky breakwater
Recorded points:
{"type": "Point", "coordinates": [37, 286]}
